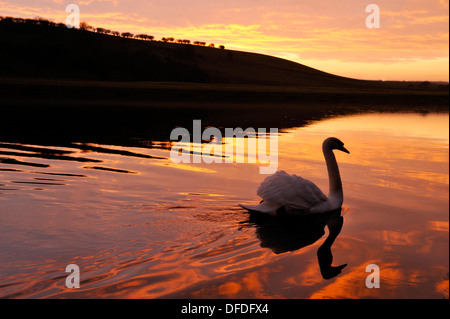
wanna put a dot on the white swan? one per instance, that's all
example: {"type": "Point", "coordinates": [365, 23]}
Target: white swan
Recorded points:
{"type": "Point", "coordinates": [296, 195]}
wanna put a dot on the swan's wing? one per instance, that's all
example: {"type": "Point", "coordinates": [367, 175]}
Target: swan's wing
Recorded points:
{"type": "Point", "coordinates": [291, 191]}
{"type": "Point", "coordinates": [263, 207]}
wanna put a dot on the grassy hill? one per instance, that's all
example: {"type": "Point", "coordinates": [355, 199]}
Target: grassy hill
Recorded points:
{"type": "Point", "coordinates": [43, 51]}
{"type": "Point", "coordinates": [58, 52]}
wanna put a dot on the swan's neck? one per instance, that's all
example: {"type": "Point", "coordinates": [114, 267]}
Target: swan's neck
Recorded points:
{"type": "Point", "coordinates": [335, 184]}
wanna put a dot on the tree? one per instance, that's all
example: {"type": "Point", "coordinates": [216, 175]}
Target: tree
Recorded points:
{"type": "Point", "coordinates": [127, 34]}
{"type": "Point", "coordinates": [43, 22]}
{"type": "Point", "coordinates": [18, 20]}
{"type": "Point", "coordinates": [211, 45]}
{"type": "Point", "coordinates": [86, 27]}
{"type": "Point", "coordinates": [221, 47]}
{"type": "Point", "coordinates": [144, 37]}
{"type": "Point", "coordinates": [183, 41]}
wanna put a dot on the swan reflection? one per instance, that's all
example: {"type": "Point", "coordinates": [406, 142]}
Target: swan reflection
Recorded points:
{"type": "Point", "coordinates": [288, 233]}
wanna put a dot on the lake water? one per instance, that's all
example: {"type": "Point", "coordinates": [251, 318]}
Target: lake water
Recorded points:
{"type": "Point", "coordinates": [140, 226]}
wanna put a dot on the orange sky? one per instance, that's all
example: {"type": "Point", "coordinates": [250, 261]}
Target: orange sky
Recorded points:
{"type": "Point", "coordinates": [412, 42]}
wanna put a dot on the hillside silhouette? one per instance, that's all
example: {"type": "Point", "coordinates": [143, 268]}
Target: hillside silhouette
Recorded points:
{"type": "Point", "coordinates": [55, 51]}
{"type": "Point", "coordinates": [43, 49]}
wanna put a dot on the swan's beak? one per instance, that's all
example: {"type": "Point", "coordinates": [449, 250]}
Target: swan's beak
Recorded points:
{"type": "Point", "coordinates": [343, 149]}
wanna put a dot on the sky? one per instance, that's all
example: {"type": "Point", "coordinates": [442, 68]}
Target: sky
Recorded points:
{"type": "Point", "coordinates": [411, 43]}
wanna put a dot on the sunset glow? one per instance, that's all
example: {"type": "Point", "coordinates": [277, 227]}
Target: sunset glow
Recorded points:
{"type": "Point", "coordinates": [411, 43]}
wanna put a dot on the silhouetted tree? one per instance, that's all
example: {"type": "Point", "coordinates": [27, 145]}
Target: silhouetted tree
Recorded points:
{"type": "Point", "coordinates": [221, 47]}
{"type": "Point", "coordinates": [86, 27]}
{"type": "Point", "coordinates": [127, 34]}
{"type": "Point", "coordinates": [211, 45]}
{"type": "Point", "coordinates": [18, 20]}
{"type": "Point", "coordinates": [7, 20]}
{"type": "Point", "coordinates": [144, 37]}
{"type": "Point", "coordinates": [183, 41]}
{"type": "Point", "coordinates": [44, 22]}
{"type": "Point", "coordinates": [83, 25]}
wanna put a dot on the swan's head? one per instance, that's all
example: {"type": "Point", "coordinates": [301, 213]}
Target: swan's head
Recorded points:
{"type": "Point", "coordinates": [335, 144]}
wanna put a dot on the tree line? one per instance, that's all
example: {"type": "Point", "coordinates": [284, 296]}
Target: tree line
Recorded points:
{"type": "Point", "coordinates": [86, 27]}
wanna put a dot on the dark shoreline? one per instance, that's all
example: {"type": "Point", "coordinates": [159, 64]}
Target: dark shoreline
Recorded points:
{"type": "Point", "coordinates": [51, 112]}
{"type": "Point", "coordinates": [45, 92]}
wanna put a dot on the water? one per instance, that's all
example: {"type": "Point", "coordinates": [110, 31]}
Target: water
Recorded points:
{"type": "Point", "coordinates": [140, 226]}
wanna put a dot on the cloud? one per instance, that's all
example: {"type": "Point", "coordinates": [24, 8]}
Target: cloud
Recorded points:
{"type": "Point", "coordinates": [444, 3]}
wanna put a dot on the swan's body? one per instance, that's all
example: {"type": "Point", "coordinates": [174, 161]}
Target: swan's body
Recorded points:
{"type": "Point", "coordinates": [296, 195]}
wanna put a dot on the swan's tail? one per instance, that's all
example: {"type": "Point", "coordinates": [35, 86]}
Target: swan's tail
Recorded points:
{"type": "Point", "coordinates": [263, 207]}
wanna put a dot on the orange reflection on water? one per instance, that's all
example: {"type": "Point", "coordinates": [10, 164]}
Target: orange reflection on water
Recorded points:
{"type": "Point", "coordinates": [438, 225]}
{"type": "Point", "coordinates": [309, 277]}
{"type": "Point", "coordinates": [345, 287]}
{"type": "Point", "coordinates": [252, 283]}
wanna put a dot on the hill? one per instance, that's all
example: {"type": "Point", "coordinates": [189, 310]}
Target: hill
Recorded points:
{"type": "Point", "coordinates": [40, 50]}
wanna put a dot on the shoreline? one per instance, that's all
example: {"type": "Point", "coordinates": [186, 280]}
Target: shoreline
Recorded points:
{"type": "Point", "coordinates": [19, 91]}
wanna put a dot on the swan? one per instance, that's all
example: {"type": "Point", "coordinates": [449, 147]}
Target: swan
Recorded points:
{"type": "Point", "coordinates": [292, 194]}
